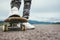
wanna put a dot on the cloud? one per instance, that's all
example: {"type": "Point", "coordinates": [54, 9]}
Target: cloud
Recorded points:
{"type": "Point", "coordinates": [45, 16]}
{"type": "Point", "coordinates": [45, 6]}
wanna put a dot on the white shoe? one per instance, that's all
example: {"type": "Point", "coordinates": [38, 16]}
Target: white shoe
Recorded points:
{"type": "Point", "coordinates": [14, 10]}
{"type": "Point", "coordinates": [28, 25]}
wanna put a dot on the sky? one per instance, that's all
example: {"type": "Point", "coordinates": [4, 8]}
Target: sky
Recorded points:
{"type": "Point", "coordinates": [41, 10]}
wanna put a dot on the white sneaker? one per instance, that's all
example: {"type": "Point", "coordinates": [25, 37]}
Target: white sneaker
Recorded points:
{"type": "Point", "coordinates": [28, 25]}
{"type": "Point", "coordinates": [14, 10]}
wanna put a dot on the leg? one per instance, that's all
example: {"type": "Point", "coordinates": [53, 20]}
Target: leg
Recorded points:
{"type": "Point", "coordinates": [15, 3]}
{"type": "Point", "coordinates": [26, 10]}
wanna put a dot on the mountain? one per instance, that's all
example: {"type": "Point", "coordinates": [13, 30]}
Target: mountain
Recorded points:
{"type": "Point", "coordinates": [1, 21]}
{"type": "Point", "coordinates": [38, 22]}
{"type": "Point", "coordinates": [57, 23]}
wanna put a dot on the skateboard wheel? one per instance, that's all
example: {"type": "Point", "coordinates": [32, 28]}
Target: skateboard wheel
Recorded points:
{"type": "Point", "coordinates": [23, 28]}
{"type": "Point", "coordinates": [5, 27]}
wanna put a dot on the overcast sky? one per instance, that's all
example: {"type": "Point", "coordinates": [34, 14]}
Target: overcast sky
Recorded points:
{"type": "Point", "coordinates": [41, 10]}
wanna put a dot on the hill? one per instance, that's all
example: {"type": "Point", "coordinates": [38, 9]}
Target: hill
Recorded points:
{"type": "Point", "coordinates": [38, 22]}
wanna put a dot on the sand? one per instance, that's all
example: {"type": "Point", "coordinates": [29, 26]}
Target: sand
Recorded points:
{"type": "Point", "coordinates": [41, 32]}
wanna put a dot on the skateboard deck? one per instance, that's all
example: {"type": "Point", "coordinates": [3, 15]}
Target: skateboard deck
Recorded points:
{"type": "Point", "coordinates": [20, 19]}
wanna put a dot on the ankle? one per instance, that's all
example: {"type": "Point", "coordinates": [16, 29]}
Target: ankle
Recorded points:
{"type": "Point", "coordinates": [26, 17]}
{"type": "Point", "coordinates": [14, 9]}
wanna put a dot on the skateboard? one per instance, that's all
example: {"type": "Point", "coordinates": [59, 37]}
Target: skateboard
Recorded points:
{"type": "Point", "coordinates": [12, 21]}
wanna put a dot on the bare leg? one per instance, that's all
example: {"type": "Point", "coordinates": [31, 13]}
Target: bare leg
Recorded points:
{"type": "Point", "coordinates": [26, 10]}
